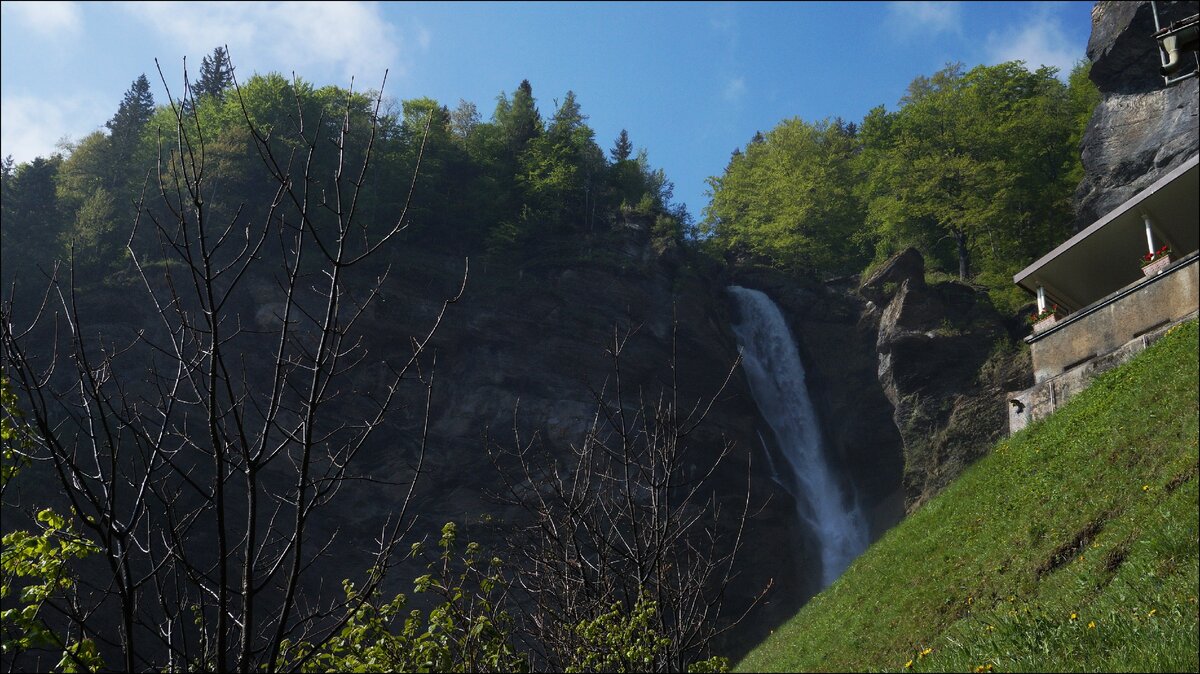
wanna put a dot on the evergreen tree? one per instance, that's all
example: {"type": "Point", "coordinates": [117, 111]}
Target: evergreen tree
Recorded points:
{"type": "Point", "coordinates": [560, 170]}
{"type": "Point", "coordinates": [519, 118]}
{"type": "Point", "coordinates": [567, 119]}
{"type": "Point", "coordinates": [622, 148]}
{"type": "Point", "coordinates": [125, 128]}
{"type": "Point", "coordinates": [6, 176]}
{"type": "Point", "coordinates": [30, 215]}
{"type": "Point", "coordinates": [216, 74]}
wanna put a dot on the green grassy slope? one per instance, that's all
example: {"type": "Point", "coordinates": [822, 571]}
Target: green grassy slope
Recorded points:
{"type": "Point", "coordinates": [1072, 546]}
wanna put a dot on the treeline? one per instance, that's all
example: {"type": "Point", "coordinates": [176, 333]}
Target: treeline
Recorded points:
{"type": "Point", "coordinates": [975, 169]}
{"type": "Point", "coordinates": [496, 186]}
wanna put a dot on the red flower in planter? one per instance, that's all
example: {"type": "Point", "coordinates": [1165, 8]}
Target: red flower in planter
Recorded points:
{"type": "Point", "coordinates": [1151, 257]}
{"type": "Point", "coordinates": [1047, 313]}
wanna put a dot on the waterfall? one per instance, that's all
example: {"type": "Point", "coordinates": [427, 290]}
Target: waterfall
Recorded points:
{"type": "Point", "coordinates": [772, 364]}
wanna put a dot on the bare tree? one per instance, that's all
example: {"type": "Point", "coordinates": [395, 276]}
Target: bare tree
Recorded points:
{"type": "Point", "coordinates": [201, 452]}
{"type": "Point", "coordinates": [630, 517]}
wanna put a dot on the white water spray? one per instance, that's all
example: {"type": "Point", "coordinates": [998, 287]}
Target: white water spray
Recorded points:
{"type": "Point", "coordinates": [776, 376]}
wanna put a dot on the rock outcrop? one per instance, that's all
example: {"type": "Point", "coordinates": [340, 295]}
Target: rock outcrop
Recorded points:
{"type": "Point", "coordinates": [944, 362]}
{"type": "Point", "coordinates": [1142, 128]}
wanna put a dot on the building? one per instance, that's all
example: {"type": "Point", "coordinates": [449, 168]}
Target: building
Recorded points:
{"type": "Point", "coordinates": [1101, 304]}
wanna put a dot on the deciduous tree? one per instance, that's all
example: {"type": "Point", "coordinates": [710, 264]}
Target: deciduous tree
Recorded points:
{"type": "Point", "coordinates": [626, 545]}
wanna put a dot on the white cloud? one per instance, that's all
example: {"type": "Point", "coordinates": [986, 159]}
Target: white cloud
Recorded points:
{"type": "Point", "coordinates": [723, 25]}
{"type": "Point", "coordinates": [30, 126]}
{"type": "Point", "coordinates": [926, 18]}
{"type": "Point", "coordinates": [48, 19]}
{"type": "Point", "coordinates": [1040, 41]}
{"type": "Point", "coordinates": [723, 20]}
{"type": "Point", "coordinates": [341, 39]}
{"type": "Point", "coordinates": [735, 89]}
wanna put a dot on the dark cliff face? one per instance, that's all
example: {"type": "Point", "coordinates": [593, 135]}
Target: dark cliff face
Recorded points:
{"type": "Point", "coordinates": [1141, 128]}
{"type": "Point", "coordinates": [526, 350]}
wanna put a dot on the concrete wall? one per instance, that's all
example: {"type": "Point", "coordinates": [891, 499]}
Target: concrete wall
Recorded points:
{"type": "Point", "coordinates": [1110, 323]}
{"type": "Point", "coordinates": [1045, 397]}
{"type": "Point", "coordinates": [1068, 356]}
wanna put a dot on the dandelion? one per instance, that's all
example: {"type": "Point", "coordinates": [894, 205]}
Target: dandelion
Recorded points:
{"type": "Point", "coordinates": [925, 652]}
{"type": "Point", "coordinates": [989, 628]}
{"type": "Point", "coordinates": [1145, 487]}
{"type": "Point", "coordinates": [908, 665]}
{"type": "Point", "coordinates": [1151, 613]}
{"type": "Point", "coordinates": [1091, 624]}
{"type": "Point", "coordinates": [983, 668]}
{"type": "Point", "coordinates": [1074, 615]}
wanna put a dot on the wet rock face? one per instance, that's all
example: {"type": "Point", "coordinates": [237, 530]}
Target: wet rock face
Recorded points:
{"type": "Point", "coordinates": [838, 351]}
{"type": "Point", "coordinates": [909, 378]}
{"type": "Point", "coordinates": [1141, 128]}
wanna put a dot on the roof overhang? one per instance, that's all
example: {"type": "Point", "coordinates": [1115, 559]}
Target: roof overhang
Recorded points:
{"type": "Point", "coordinates": [1106, 256]}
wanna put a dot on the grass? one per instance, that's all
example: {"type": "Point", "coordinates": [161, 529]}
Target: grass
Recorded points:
{"type": "Point", "coordinates": [1071, 547]}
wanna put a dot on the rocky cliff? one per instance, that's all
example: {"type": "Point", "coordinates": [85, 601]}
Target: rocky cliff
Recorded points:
{"type": "Point", "coordinates": [526, 348]}
{"type": "Point", "coordinates": [909, 377]}
{"type": "Point", "coordinates": [946, 359]}
{"type": "Point", "coordinates": [1141, 128]}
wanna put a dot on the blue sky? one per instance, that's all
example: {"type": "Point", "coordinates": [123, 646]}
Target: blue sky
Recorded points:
{"type": "Point", "coordinates": [690, 81]}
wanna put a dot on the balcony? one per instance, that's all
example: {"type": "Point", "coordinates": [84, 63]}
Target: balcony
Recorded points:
{"type": "Point", "coordinates": [1109, 309]}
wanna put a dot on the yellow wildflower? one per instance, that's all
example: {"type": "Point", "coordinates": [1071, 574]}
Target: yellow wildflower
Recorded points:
{"type": "Point", "coordinates": [925, 652]}
{"type": "Point", "coordinates": [1145, 487]}
{"type": "Point", "coordinates": [908, 665]}
{"type": "Point", "coordinates": [1151, 613]}
{"type": "Point", "coordinates": [1074, 615]}
{"type": "Point", "coordinates": [1091, 624]}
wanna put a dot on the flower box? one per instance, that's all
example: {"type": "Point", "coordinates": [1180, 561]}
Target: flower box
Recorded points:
{"type": "Point", "coordinates": [1160, 263]}
{"type": "Point", "coordinates": [1044, 319]}
{"type": "Point", "coordinates": [1045, 323]}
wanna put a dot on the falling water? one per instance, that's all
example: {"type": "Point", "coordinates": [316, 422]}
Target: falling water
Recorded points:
{"type": "Point", "coordinates": [772, 364]}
